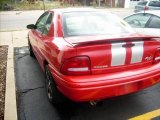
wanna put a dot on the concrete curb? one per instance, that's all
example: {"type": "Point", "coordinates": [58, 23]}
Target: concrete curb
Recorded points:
{"type": "Point", "coordinates": [10, 112]}
{"type": "Point", "coordinates": [12, 39]}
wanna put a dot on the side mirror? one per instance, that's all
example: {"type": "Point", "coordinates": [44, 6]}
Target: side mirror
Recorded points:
{"type": "Point", "coordinates": [31, 26]}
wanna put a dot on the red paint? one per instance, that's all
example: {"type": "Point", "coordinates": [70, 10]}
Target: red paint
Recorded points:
{"type": "Point", "coordinates": [101, 80]}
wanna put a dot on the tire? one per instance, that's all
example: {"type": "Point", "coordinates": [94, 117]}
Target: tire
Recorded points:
{"type": "Point", "coordinates": [30, 49]}
{"type": "Point", "coordinates": [53, 94]}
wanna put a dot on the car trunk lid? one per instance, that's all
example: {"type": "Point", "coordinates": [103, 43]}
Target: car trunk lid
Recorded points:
{"type": "Point", "coordinates": [110, 54]}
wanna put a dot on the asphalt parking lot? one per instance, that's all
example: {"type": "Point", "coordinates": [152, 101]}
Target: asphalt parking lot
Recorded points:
{"type": "Point", "coordinates": [33, 104]}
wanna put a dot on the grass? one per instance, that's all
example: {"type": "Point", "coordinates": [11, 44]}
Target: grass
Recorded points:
{"type": "Point", "coordinates": [39, 5]}
{"type": "Point", "coordinates": [36, 6]}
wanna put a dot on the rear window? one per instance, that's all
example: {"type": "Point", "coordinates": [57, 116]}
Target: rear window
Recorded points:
{"type": "Point", "coordinates": [154, 3]}
{"type": "Point", "coordinates": [93, 23]}
{"type": "Point", "coordinates": [138, 20]}
{"type": "Point", "coordinates": [142, 3]}
{"type": "Point", "coordinates": [154, 22]}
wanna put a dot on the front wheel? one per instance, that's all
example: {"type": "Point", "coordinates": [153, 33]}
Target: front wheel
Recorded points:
{"type": "Point", "coordinates": [30, 49]}
{"type": "Point", "coordinates": [53, 93]}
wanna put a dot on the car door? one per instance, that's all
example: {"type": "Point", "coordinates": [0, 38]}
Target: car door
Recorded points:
{"type": "Point", "coordinates": [138, 21]}
{"type": "Point", "coordinates": [45, 38]}
{"type": "Point", "coordinates": [37, 34]}
{"type": "Point", "coordinates": [153, 26]}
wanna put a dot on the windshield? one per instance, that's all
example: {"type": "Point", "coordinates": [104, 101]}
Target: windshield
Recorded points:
{"type": "Point", "coordinates": [93, 23]}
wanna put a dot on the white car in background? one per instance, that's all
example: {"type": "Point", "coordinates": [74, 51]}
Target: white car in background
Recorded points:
{"type": "Point", "coordinates": [147, 5]}
{"type": "Point", "coordinates": [147, 22]}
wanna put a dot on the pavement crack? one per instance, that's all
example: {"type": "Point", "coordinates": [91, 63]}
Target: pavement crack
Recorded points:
{"type": "Point", "coordinates": [28, 90]}
{"type": "Point", "coordinates": [21, 107]}
{"type": "Point", "coordinates": [20, 57]}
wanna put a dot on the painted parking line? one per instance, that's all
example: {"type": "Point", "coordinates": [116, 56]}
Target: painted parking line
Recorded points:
{"type": "Point", "coordinates": [148, 116]}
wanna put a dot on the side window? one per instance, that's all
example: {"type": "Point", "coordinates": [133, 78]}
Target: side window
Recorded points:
{"type": "Point", "coordinates": [154, 3]}
{"type": "Point", "coordinates": [142, 3]}
{"type": "Point", "coordinates": [48, 24]}
{"type": "Point", "coordinates": [154, 22]}
{"type": "Point", "coordinates": [138, 20]}
{"type": "Point", "coordinates": [41, 22]}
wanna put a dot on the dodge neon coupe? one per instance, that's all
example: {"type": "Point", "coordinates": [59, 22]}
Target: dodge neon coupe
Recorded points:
{"type": "Point", "coordinates": [88, 55]}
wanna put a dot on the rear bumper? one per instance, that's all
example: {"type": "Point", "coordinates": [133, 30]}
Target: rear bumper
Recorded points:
{"type": "Point", "coordinates": [96, 87]}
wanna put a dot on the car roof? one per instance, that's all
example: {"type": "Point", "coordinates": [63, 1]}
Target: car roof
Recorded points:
{"type": "Point", "coordinates": [148, 0]}
{"type": "Point", "coordinates": [81, 9]}
{"type": "Point", "coordinates": [154, 12]}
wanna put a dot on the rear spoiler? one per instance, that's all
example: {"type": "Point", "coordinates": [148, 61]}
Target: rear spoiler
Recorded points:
{"type": "Point", "coordinates": [102, 41]}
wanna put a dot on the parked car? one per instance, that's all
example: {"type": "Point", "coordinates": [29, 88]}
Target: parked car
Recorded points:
{"type": "Point", "coordinates": [147, 5]}
{"type": "Point", "coordinates": [147, 23]}
{"type": "Point", "coordinates": [90, 55]}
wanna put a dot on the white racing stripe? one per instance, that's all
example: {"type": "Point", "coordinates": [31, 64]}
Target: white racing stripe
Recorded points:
{"type": "Point", "coordinates": [118, 54]}
{"type": "Point", "coordinates": [137, 52]}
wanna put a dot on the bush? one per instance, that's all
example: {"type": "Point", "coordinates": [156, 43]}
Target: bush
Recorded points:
{"type": "Point", "coordinates": [6, 5]}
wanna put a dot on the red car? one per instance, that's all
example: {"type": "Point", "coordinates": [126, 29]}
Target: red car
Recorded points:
{"type": "Point", "coordinates": [89, 55]}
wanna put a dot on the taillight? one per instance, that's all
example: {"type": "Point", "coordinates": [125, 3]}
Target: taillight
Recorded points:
{"type": "Point", "coordinates": [146, 8]}
{"type": "Point", "coordinates": [157, 56]}
{"type": "Point", "coordinates": [76, 66]}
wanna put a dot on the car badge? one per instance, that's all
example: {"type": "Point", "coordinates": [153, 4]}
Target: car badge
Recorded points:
{"type": "Point", "coordinates": [148, 58]}
{"type": "Point", "coordinates": [128, 45]}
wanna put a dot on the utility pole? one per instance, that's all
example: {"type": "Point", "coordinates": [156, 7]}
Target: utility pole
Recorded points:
{"type": "Point", "coordinates": [15, 1]}
{"type": "Point", "coordinates": [43, 6]}
{"type": "Point", "coordinates": [111, 3]}
{"type": "Point", "coordinates": [99, 3]}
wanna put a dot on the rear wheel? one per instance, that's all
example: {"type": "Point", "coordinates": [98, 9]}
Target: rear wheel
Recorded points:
{"type": "Point", "coordinates": [53, 93]}
{"type": "Point", "coordinates": [30, 49]}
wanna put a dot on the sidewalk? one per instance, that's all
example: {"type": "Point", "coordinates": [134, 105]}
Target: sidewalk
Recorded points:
{"type": "Point", "coordinates": [12, 39]}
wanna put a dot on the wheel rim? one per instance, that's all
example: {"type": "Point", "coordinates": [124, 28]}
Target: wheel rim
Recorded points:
{"type": "Point", "coordinates": [49, 86]}
{"type": "Point", "coordinates": [49, 90]}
